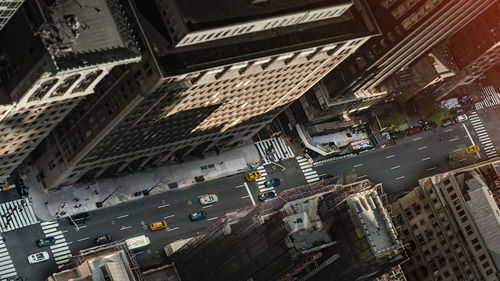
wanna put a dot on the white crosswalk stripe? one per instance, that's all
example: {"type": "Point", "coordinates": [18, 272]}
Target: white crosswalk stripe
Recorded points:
{"type": "Point", "coordinates": [6, 266]}
{"type": "Point", "coordinates": [484, 137]}
{"type": "Point", "coordinates": [260, 181]}
{"type": "Point", "coordinates": [491, 98]}
{"type": "Point", "coordinates": [60, 250]}
{"type": "Point", "coordinates": [273, 149]}
{"type": "Point", "coordinates": [309, 173]}
{"type": "Point", "coordinates": [16, 214]}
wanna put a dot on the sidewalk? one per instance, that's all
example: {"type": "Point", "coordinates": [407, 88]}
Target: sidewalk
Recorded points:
{"type": "Point", "coordinates": [49, 206]}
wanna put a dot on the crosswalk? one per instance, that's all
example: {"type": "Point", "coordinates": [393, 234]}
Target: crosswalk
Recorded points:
{"type": "Point", "coordinates": [260, 181]}
{"type": "Point", "coordinates": [482, 134]}
{"type": "Point", "coordinates": [6, 266]}
{"type": "Point", "coordinates": [306, 167]}
{"type": "Point", "coordinates": [273, 149]}
{"type": "Point", "coordinates": [16, 214]}
{"type": "Point", "coordinates": [491, 98]}
{"type": "Point", "coordinates": [60, 250]}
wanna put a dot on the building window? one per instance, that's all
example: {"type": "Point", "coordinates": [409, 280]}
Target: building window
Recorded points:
{"type": "Point", "coordinates": [477, 247]}
{"type": "Point", "coordinates": [482, 257]}
{"type": "Point", "coordinates": [52, 164]}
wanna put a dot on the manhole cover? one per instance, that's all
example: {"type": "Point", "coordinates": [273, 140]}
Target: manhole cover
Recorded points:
{"type": "Point", "coordinates": [190, 202]}
{"type": "Point", "coordinates": [113, 222]}
{"type": "Point", "coordinates": [274, 167]}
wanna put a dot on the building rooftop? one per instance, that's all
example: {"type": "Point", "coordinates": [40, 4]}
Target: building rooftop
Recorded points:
{"type": "Point", "coordinates": [198, 15]}
{"type": "Point", "coordinates": [79, 34]}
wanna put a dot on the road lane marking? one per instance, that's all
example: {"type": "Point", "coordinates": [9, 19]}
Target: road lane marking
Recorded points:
{"type": "Point", "coordinates": [358, 165]}
{"type": "Point", "coordinates": [172, 229]}
{"type": "Point", "coordinates": [423, 147]}
{"type": "Point", "coordinates": [249, 193]}
{"type": "Point", "coordinates": [455, 139]}
{"type": "Point", "coordinates": [426, 158]}
{"type": "Point", "coordinates": [207, 206]}
{"type": "Point", "coordinates": [246, 196]}
{"type": "Point", "coordinates": [363, 176]}
{"type": "Point", "coordinates": [433, 168]}
{"type": "Point", "coordinates": [163, 206]}
{"type": "Point", "coordinates": [125, 227]}
{"type": "Point", "coordinates": [212, 218]}
{"type": "Point", "coordinates": [170, 216]}
{"type": "Point", "coordinates": [390, 156]}
{"type": "Point", "coordinates": [69, 242]}
{"type": "Point", "coordinates": [395, 167]}
{"type": "Point", "coordinates": [83, 239]}
{"type": "Point", "coordinates": [83, 226]}
{"type": "Point", "coordinates": [400, 178]}
{"type": "Point", "coordinates": [64, 231]}
{"type": "Point", "coordinates": [121, 217]}
{"type": "Point", "coordinates": [448, 130]}
{"type": "Point", "coordinates": [238, 186]}
{"type": "Point", "coordinates": [416, 139]}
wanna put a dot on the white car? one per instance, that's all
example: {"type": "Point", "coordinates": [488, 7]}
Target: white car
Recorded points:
{"type": "Point", "coordinates": [461, 118]}
{"type": "Point", "coordinates": [208, 199]}
{"type": "Point", "coordinates": [38, 257]}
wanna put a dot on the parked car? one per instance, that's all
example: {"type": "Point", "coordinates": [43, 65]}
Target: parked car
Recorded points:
{"type": "Point", "coordinates": [208, 199]}
{"type": "Point", "coordinates": [272, 183]}
{"type": "Point", "coordinates": [158, 225]}
{"type": "Point", "coordinates": [16, 278]}
{"type": "Point", "coordinates": [38, 257]}
{"type": "Point", "coordinates": [267, 195]}
{"type": "Point", "coordinates": [47, 241]}
{"type": "Point", "coordinates": [253, 175]}
{"type": "Point", "coordinates": [447, 122]}
{"type": "Point", "coordinates": [103, 239]}
{"type": "Point", "coordinates": [325, 177]}
{"type": "Point", "coordinates": [430, 125]}
{"type": "Point", "coordinates": [414, 130]}
{"type": "Point", "coordinates": [461, 118]}
{"type": "Point", "coordinates": [196, 216]}
{"type": "Point", "coordinates": [79, 218]}
{"type": "Point", "coordinates": [398, 135]}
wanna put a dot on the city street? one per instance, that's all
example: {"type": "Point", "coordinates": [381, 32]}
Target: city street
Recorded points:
{"type": "Point", "coordinates": [398, 168]}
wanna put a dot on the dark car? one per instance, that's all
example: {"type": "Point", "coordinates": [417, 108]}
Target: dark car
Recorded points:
{"type": "Point", "coordinates": [447, 122]}
{"type": "Point", "coordinates": [103, 239]}
{"type": "Point", "coordinates": [47, 241]}
{"type": "Point", "coordinates": [326, 177]}
{"type": "Point", "coordinates": [79, 218]}
{"type": "Point", "coordinates": [16, 278]}
{"type": "Point", "coordinates": [196, 216]}
{"type": "Point", "coordinates": [414, 130]}
{"type": "Point", "coordinates": [430, 125]}
{"type": "Point", "coordinates": [267, 196]}
{"type": "Point", "coordinates": [398, 135]}
{"type": "Point", "coordinates": [272, 183]}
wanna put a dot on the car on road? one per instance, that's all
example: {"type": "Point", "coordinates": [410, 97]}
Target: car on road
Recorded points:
{"type": "Point", "coordinates": [265, 196]}
{"type": "Point", "coordinates": [461, 118]}
{"type": "Point", "coordinates": [272, 182]}
{"type": "Point", "coordinates": [103, 239]}
{"type": "Point", "coordinates": [414, 130]}
{"type": "Point", "coordinates": [47, 241]}
{"type": "Point", "coordinates": [430, 125]}
{"type": "Point", "coordinates": [196, 216]}
{"type": "Point", "coordinates": [80, 218]}
{"type": "Point", "coordinates": [208, 199]}
{"type": "Point", "coordinates": [253, 175]}
{"type": "Point", "coordinates": [447, 122]}
{"type": "Point", "coordinates": [326, 177]}
{"type": "Point", "coordinates": [158, 225]}
{"type": "Point", "coordinates": [16, 278]}
{"type": "Point", "coordinates": [38, 257]}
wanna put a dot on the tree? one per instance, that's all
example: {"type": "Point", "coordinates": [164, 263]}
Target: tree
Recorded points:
{"type": "Point", "coordinates": [396, 119]}
{"type": "Point", "coordinates": [439, 113]}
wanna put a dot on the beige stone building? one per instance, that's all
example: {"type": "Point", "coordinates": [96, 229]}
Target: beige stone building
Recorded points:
{"type": "Point", "coordinates": [212, 76]}
{"type": "Point", "coordinates": [51, 56]}
{"type": "Point", "coordinates": [450, 225]}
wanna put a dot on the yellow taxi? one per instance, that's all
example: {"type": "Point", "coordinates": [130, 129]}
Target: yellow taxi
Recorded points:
{"type": "Point", "coordinates": [158, 225]}
{"type": "Point", "coordinates": [472, 148]}
{"type": "Point", "coordinates": [253, 175]}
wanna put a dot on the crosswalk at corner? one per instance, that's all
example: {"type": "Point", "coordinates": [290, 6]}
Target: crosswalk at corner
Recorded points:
{"type": "Point", "coordinates": [6, 266]}
{"type": "Point", "coordinates": [273, 149]}
{"type": "Point", "coordinates": [16, 214]}
{"type": "Point", "coordinates": [482, 134]}
{"type": "Point", "coordinates": [260, 181]}
{"type": "Point", "coordinates": [306, 167]}
{"type": "Point", "coordinates": [60, 250]}
{"type": "Point", "coordinates": [491, 98]}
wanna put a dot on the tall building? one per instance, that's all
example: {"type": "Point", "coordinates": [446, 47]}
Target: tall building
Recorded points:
{"type": "Point", "coordinates": [7, 10]}
{"type": "Point", "coordinates": [51, 55]}
{"type": "Point", "coordinates": [213, 74]}
{"type": "Point", "coordinates": [314, 232]}
{"type": "Point", "coordinates": [410, 28]}
{"type": "Point", "coordinates": [450, 225]}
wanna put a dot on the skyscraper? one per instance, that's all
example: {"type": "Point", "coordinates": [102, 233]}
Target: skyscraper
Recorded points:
{"type": "Point", "coordinates": [450, 225]}
{"type": "Point", "coordinates": [410, 28]}
{"type": "Point", "coordinates": [51, 55]}
{"type": "Point", "coordinates": [213, 74]}
{"type": "Point", "coordinates": [314, 232]}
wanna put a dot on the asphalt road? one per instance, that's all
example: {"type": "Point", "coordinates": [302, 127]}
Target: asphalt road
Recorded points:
{"type": "Point", "coordinates": [398, 168]}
